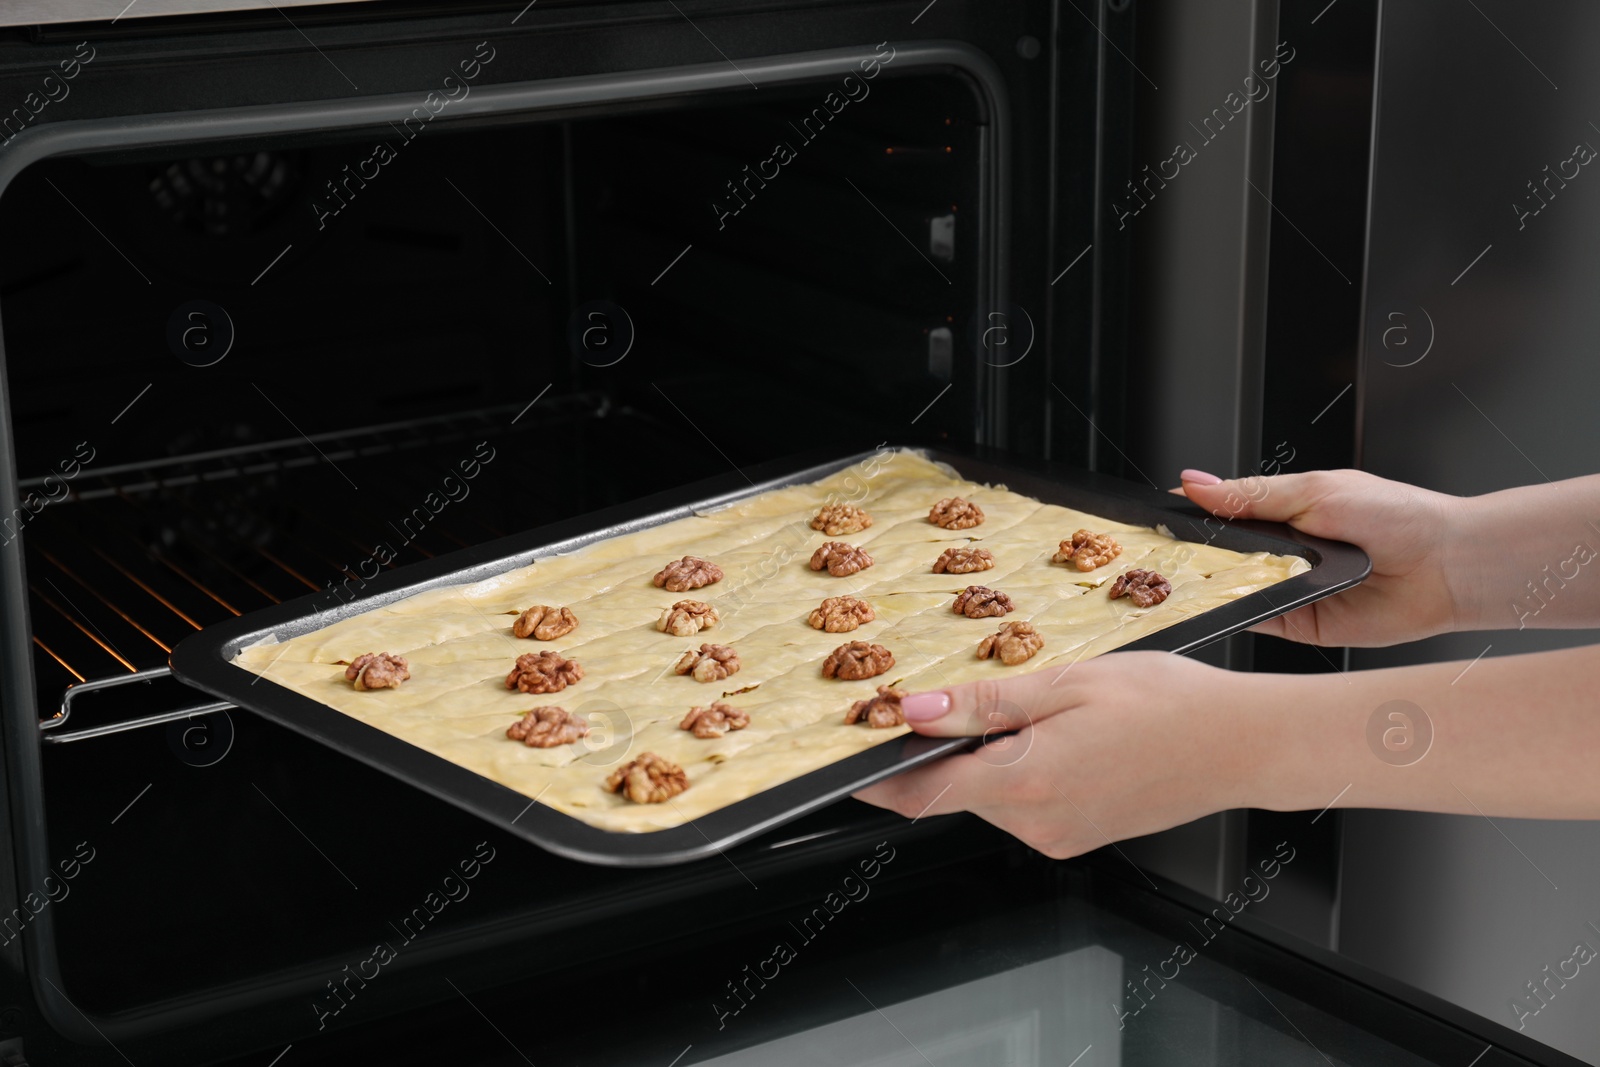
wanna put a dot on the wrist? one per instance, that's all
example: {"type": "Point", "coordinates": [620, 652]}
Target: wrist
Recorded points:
{"type": "Point", "coordinates": [1461, 567]}
{"type": "Point", "coordinates": [1255, 737]}
{"type": "Point", "coordinates": [1292, 749]}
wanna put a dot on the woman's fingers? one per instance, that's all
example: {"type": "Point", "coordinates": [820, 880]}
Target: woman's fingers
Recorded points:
{"type": "Point", "coordinates": [1273, 627]}
{"type": "Point", "coordinates": [1021, 800]}
{"type": "Point", "coordinates": [989, 705]}
{"type": "Point", "coordinates": [1302, 625]}
{"type": "Point", "coordinates": [1279, 498]}
{"type": "Point", "coordinates": [956, 783]}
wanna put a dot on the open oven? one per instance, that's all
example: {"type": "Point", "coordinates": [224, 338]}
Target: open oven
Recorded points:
{"type": "Point", "coordinates": [292, 297]}
{"type": "Point", "coordinates": [278, 317]}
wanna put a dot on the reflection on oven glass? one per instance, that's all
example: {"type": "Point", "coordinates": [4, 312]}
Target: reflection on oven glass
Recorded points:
{"type": "Point", "coordinates": [1100, 1003]}
{"type": "Point", "coordinates": [1028, 1015]}
{"type": "Point", "coordinates": [224, 196]}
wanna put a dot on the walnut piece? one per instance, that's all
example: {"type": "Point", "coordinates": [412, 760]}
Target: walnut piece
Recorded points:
{"type": "Point", "coordinates": [841, 559]}
{"type": "Point", "coordinates": [708, 663]}
{"type": "Point", "coordinates": [378, 670]}
{"type": "Point", "coordinates": [955, 513]}
{"type": "Point", "coordinates": [836, 519]}
{"type": "Point", "coordinates": [879, 712]}
{"type": "Point", "coordinates": [857, 660]}
{"type": "Point", "coordinates": [544, 672]}
{"type": "Point", "coordinates": [1014, 643]}
{"type": "Point", "coordinates": [687, 618]}
{"type": "Point", "coordinates": [547, 728]}
{"type": "Point", "coordinates": [715, 720]}
{"type": "Point", "coordinates": [841, 614]}
{"type": "Point", "coordinates": [648, 779]}
{"type": "Point", "coordinates": [690, 572]}
{"type": "Point", "coordinates": [981, 602]}
{"type": "Point", "coordinates": [1087, 550]}
{"type": "Point", "coordinates": [545, 623]}
{"type": "Point", "coordinates": [1145, 588]}
{"type": "Point", "coordinates": [963, 561]}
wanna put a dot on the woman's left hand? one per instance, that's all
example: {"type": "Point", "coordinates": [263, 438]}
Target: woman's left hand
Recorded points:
{"type": "Point", "coordinates": [1109, 748]}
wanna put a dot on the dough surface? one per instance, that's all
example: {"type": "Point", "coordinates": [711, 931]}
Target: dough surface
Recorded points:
{"type": "Point", "coordinates": [460, 645]}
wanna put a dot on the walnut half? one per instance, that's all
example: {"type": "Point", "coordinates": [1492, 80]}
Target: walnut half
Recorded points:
{"type": "Point", "coordinates": [1088, 550]}
{"type": "Point", "coordinates": [714, 721]}
{"type": "Point", "coordinates": [963, 561]}
{"type": "Point", "coordinates": [879, 712]}
{"type": "Point", "coordinates": [708, 663]}
{"type": "Point", "coordinates": [955, 513]}
{"type": "Point", "coordinates": [687, 618]}
{"type": "Point", "coordinates": [981, 602]}
{"type": "Point", "coordinates": [841, 614]}
{"type": "Point", "coordinates": [1145, 588]}
{"type": "Point", "coordinates": [836, 519]}
{"type": "Point", "coordinates": [545, 623]}
{"type": "Point", "coordinates": [1014, 643]}
{"type": "Point", "coordinates": [545, 672]}
{"type": "Point", "coordinates": [690, 572]}
{"type": "Point", "coordinates": [547, 728]}
{"type": "Point", "coordinates": [378, 670]}
{"type": "Point", "coordinates": [857, 660]}
{"type": "Point", "coordinates": [841, 559]}
{"type": "Point", "coordinates": [648, 779]}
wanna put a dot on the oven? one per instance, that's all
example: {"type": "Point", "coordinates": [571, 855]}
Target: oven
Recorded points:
{"type": "Point", "coordinates": [296, 295]}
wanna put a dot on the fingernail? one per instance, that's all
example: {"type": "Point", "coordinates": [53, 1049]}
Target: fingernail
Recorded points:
{"type": "Point", "coordinates": [1200, 478]}
{"type": "Point", "coordinates": [925, 707]}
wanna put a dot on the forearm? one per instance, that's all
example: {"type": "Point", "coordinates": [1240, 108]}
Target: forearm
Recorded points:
{"type": "Point", "coordinates": [1515, 736]}
{"type": "Point", "coordinates": [1528, 557]}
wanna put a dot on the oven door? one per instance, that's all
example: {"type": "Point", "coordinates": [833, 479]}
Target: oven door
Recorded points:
{"type": "Point", "coordinates": [1015, 961]}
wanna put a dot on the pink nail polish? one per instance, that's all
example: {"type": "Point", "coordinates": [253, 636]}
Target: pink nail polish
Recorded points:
{"type": "Point", "coordinates": [1200, 478]}
{"type": "Point", "coordinates": [925, 707]}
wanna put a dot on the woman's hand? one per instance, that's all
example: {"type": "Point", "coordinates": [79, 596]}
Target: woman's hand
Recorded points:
{"type": "Point", "coordinates": [1413, 536]}
{"type": "Point", "coordinates": [1109, 748]}
{"type": "Point", "coordinates": [1134, 742]}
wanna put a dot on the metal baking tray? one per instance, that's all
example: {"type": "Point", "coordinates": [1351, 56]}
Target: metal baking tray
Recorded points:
{"type": "Point", "coordinates": [204, 659]}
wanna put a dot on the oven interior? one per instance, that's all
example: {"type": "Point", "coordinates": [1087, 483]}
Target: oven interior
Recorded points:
{"type": "Point", "coordinates": [441, 321]}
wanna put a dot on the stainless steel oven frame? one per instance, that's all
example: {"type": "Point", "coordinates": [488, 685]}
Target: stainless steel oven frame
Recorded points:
{"type": "Point", "coordinates": [48, 12]}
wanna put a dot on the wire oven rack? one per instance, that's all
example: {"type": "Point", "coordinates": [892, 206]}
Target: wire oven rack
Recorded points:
{"type": "Point", "coordinates": [141, 554]}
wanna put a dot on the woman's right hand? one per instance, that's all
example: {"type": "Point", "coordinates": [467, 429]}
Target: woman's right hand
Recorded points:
{"type": "Point", "coordinates": [1407, 531]}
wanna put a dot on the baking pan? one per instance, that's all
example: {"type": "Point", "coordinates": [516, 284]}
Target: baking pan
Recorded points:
{"type": "Point", "coordinates": [204, 659]}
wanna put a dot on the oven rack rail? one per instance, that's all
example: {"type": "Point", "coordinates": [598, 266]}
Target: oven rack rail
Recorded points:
{"type": "Point", "coordinates": [50, 727]}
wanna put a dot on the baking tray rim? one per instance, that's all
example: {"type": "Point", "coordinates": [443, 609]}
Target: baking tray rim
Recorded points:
{"type": "Point", "coordinates": [204, 659]}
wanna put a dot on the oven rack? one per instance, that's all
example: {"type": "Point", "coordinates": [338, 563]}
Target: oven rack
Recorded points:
{"type": "Point", "coordinates": [307, 450]}
{"type": "Point", "coordinates": [100, 583]}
